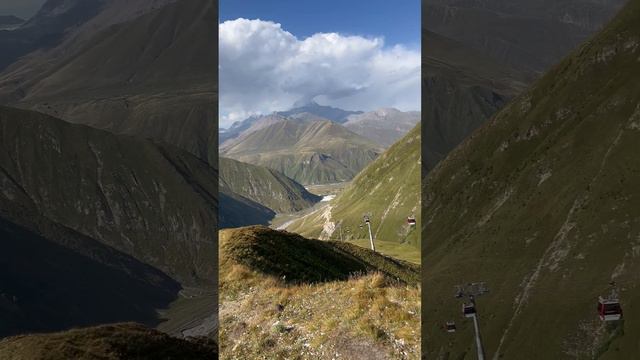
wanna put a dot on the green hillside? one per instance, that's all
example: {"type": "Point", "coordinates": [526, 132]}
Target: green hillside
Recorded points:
{"type": "Point", "coordinates": [264, 186]}
{"type": "Point", "coordinates": [308, 151]}
{"type": "Point", "coordinates": [543, 204]}
{"type": "Point", "coordinates": [388, 189]}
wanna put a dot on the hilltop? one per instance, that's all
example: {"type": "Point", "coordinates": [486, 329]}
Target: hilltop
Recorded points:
{"type": "Point", "coordinates": [547, 189]}
{"type": "Point", "coordinates": [109, 342]}
{"type": "Point", "coordinates": [282, 295]}
{"type": "Point", "coordinates": [280, 253]}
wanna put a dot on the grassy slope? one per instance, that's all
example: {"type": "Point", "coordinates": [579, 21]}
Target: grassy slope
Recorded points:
{"type": "Point", "coordinates": [310, 152]}
{"type": "Point", "coordinates": [363, 316]}
{"type": "Point", "coordinates": [389, 188]}
{"type": "Point", "coordinates": [548, 190]}
{"type": "Point", "coordinates": [265, 186]}
{"type": "Point", "coordinates": [108, 342]}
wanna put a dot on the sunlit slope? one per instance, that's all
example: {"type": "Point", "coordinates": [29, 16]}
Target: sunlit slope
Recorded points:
{"type": "Point", "coordinates": [286, 296]}
{"type": "Point", "coordinates": [388, 189]}
{"type": "Point", "coordinates": [543, 204]}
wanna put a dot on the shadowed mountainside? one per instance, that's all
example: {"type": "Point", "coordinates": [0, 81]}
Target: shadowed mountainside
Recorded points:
{"type": "Point", "coordinates": [109, 342]}
{"type": "Point", "coordinates": [549, 190]}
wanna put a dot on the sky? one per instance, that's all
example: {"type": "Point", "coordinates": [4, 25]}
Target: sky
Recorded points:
{"type": "Point", "coordinates": [351, 54]}
{"type": "Point", "coordinates": [20, 8]}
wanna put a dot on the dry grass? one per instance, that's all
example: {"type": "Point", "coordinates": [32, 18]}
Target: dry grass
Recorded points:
{"type": "Point", "coordinates": [367, 316]}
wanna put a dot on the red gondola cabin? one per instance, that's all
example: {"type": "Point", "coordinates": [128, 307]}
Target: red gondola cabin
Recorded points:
{"type": "Point", "coordinates": [609, 309]}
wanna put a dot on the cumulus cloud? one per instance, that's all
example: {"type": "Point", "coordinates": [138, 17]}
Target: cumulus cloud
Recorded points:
{"type": "Point", "coordinates": [264, 68]}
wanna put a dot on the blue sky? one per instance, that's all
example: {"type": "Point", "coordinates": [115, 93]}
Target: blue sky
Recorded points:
{"type": "Point", "coordinates": [351, 54]}
{"type": "Point", "coordinates": [397, 21]}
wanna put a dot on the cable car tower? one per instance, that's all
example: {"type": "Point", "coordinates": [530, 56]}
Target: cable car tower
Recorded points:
{"type": "Point", "coordinates": [367, 221]}
{"type": "Point", "coordinates": [471, 291]}
{"type": "Point", "coordinates": [609, 308]}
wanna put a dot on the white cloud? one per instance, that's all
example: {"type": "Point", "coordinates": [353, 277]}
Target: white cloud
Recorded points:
{"type": "Point", "coordinates": [264, 68]}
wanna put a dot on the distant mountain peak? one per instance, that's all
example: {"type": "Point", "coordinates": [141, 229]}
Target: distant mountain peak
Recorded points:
{"type": "Point", "coordinates": [305, 102]}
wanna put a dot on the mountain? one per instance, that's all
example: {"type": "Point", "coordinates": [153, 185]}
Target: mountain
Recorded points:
{"type": "Point", "coordinates": [310, 152]}
{"type": "Point", "coordinates": [138, 67]}
{"type": "Point", "coordinates": [326, 112]}
{"type": "Point", "coordinates": [285, 296]}
{"type": "Point", "coordinates": [137, 217]}
{"type": "Point", "coordinates": [388, 189]}
{"type": "Point", "coordinates": [548, 190]}
{"type": "Point", "coordinates": [383, 126]}
{"type": "Point", "coordinates": [240, 130]}
{"type": "Point", "coordinates": [529, 35]}
{"type": "Point", "coordinates": [463, 88]}
{"type": "Point", "coordinates": [116, 341]}
{"type": "Point", "coordinates": [301, 110]}
{"type": "Point", "coordinates": [236, 129]}
{"type": "Point", "coordinates": [265, 186]}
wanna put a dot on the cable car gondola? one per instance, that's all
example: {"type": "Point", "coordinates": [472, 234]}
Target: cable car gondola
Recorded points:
{"type": "Point", "coordinates": [450, 326]}
{"type": "Point", "coordinates": [609, 309]}
{"type": "Point", "coordinates": [468, 310]}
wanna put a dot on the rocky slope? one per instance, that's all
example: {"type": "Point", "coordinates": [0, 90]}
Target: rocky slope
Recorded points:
{"type": "Point", "coordinates": [264, 186]}
{"type": "Point", "coordinates": [308, 151]}
{"type": "Point", "coordinates": [547, 189]}
{"type": "Point", "coordinates": [136, 67]}
{"type": "Point", "coordinates": [383, 126]}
